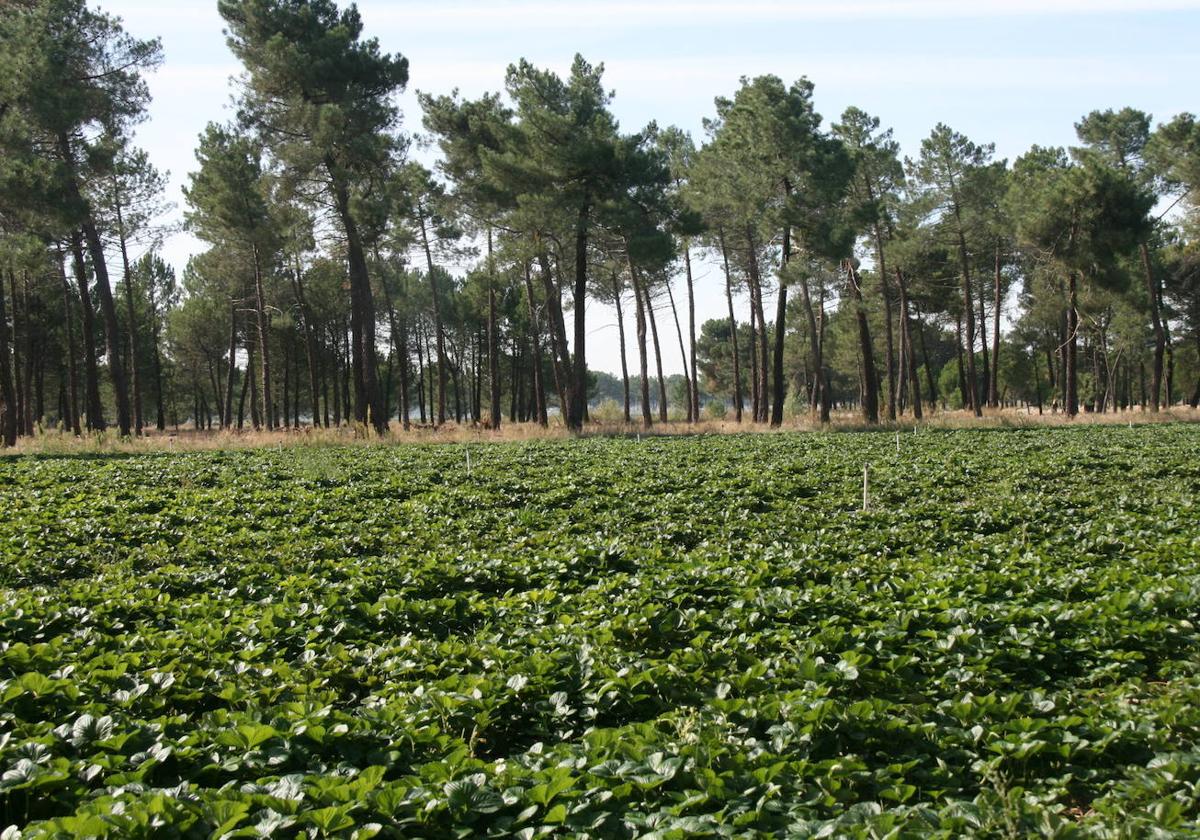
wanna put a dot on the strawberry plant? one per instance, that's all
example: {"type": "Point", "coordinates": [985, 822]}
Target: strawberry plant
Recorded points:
{"type": "Point", "coordinates": [607, 638]}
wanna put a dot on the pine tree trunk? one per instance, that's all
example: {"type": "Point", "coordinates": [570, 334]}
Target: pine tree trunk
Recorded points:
{"type": "Point", "coordinates": [1037, 382]}
{"type": "Point", "coordinates": [454, 377]}
{"type": "Point", "coordinates": [400, 342]}
{"type": "Point", "coordinates": [493, 338]}
{"type": "Point", "coordinates": [295, 368]}
{"type": "Point", "coordinates": [814, 349]}
{"type": "Point", "coordinates": [963, 391]}
{"type": "Point", "coordinates": [621, 340]}
{"type": "Point", "coordinates": [20, 354]}
{"type": "Point", "coordinates": [1195, 398]}
{"type": "Point", "coordinates": [324, 392]}
{"type": "Point", "coordinates": [933, 394]}
{"type": "Point", "coordinates": [826, 392]}
{"type": "Point", "coordinates": [264, 341]}
{"type": "Point", "coordinates": [737, 363]}
{"type": "Point", "coordinates": [969, 313]}
{"type": "Point", "coordinates": [333, 363]}
{"type": "Point", "coordinates": [287, 383]}
{"type": "Point", "coordinates": [108, 309]}
{"type": "Point", "coordinates": [1072, 348]}
{"type": "Point", "coordinates": [902, 350]}
{"type": "Point", "coordinates": [914, 380]}
{"type": "Point", "coordinates": [1169, 376]}
{"type": "Point", "coordinates": [993, 384]}
{"type": "Point", "coordinates": [643, 353]}
{"type": "Point", "coordinates": [227, 421]}
{"type": "Point", "coordinates": [662, 382]}
{"type": "Point", "coordinates": [536, 403]}
{"type": "Point", "coordinates": [755, 396]}
{"type": "Point", "coordinates": [420, 373]}
{"type": "Point", "coordinates": [890, 347]}
{"type": "Point", "coordinates": [687, 378]}
{"type": "Point", "coordinates": [39, 393]}
{"type": "Point", "coordinates": [558, 332]}
{"type": "Point", "coordinates": [131, 314]}
{"type": "Point", "coordinates": [8, 389]}
{"type": "Point", "coordinates": [866, 351]}
{"type": "Point", "coordinates": [27, 356]}
{"type": "Point", "coordinates": [1160, 343]}
{"type": "Point", "coordinates": [777, 374]}
{"type": "Point", "coordinates": [214, 379]}
{"type": "Point", "coordinates": [539, 389]}
{"type": "Point", "coordinates": [214, 374]}
{"type": "Point", "coordinates": [256, 414]}
{"type": "Point", "coordinates": [242, 391]}
{"type": "Point", "coordinates": [757, 299]}
{"type": "Point", "coordinates": [577, 405]}
{"type": "Point", "coordinates": [91, 366]}
{"type": "Point", "coordinates": [405, 409]}
{"type": "Point", "coordinates": [477, 354]}
{"type": "Point", "coordinates": [71, 420]}
{"type": "Point", "coordinates": [981, 390]}
{"type": "Point", "coordinates": [695, 389]}
{"type": "Point", "coordinates": [33, 363]}
{"type": "Point", "coordinates": [347, 366]}
{"type": "Point", "coordinates": [368, 395]}
{"type": "Point", "coordinates": [160, 419]}
{"type": "Point", "coordinates": [1169, 398]}
{"type": "Point", "coordinates": [430, 383]}
{"type": "Point", "coordinates": [388, 377]}
{"type": "Point", "coordinates": [112, 330]}
{"type": "Point", "coordinates": [514, 379]}
{"type": "Point", "coordinates": [64, 409]}
{"type": "Point", "coordinates": [310, 341]}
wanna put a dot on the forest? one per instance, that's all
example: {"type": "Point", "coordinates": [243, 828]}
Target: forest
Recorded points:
{"type": "Point", "coordinates": [360, 272]}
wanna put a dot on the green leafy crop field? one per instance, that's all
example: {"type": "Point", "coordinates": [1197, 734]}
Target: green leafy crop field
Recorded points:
{"type": "Point", "coordinates": [671, 637]}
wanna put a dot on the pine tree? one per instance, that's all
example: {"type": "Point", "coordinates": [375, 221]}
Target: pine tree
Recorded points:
{"type": "Point", "coordinates": [1083, 217]}
{"type": "Point", "coordinates": [321, 96]}
{"type": "Point", "coordinates": [73, 75]}
{"type": "Point", "coordinates": [468, 132]}
{"type": "Point", "coordinates": [942, 174]}
{"type": "Point", "coordinates": [231, 208]}
{"type": "Point", "coordinates": [561, 166]}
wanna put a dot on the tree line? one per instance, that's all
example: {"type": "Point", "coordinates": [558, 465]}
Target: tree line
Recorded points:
{"type": "Point", "coordinates": [344, 282]}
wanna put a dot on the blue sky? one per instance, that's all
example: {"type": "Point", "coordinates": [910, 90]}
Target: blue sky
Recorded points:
{"type": "Point", "coordinates": [1012, 72]}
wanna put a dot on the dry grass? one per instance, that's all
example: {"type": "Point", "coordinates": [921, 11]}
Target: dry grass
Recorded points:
{"type": "Point", "coordinates": [186, 440]}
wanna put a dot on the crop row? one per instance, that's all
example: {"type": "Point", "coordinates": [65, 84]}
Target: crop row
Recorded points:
{"type": "Point", "coordinates": [606, 638]}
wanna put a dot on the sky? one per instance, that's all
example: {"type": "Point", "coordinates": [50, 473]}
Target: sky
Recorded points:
{"type": "Point", "coordinates": [1008, 72]}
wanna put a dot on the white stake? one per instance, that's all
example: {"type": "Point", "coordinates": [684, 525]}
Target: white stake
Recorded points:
{"type": "Point", "coordinates": [897, 441]}
{"type": "Point", "coordinates": [468, 462]}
